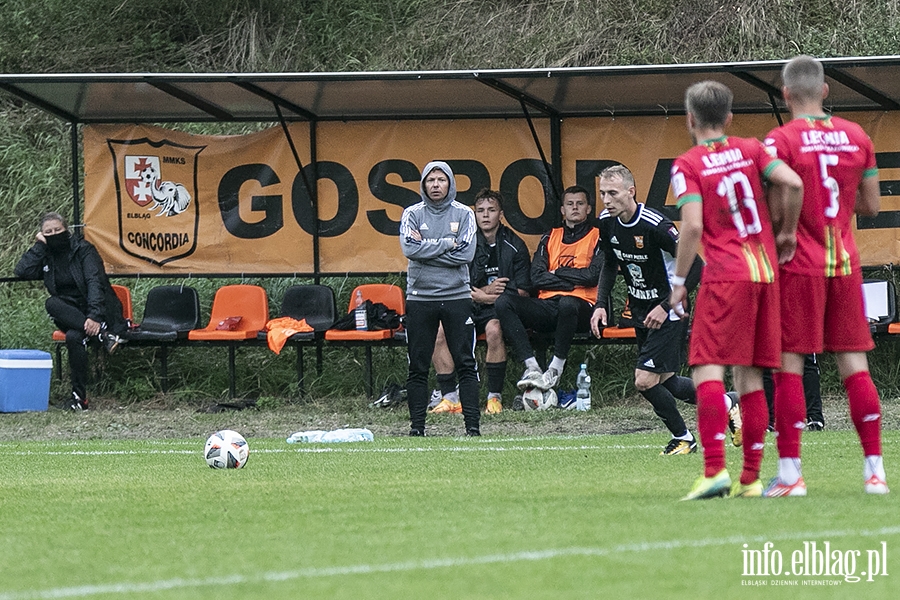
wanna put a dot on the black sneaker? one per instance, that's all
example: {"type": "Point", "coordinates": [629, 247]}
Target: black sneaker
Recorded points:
{"type": "Point", "coordinates": [110, 341]}
{"type": "Point", "coordinates": [416, 432]}
{"type": "Point", "coordinates": [518, 403]}
{"type": "Point", "coordinates": [473, 432]}
{"type": "Point", "coordinates": [76, 403]}
{"type": "Point", "coordinates": [815, 426]}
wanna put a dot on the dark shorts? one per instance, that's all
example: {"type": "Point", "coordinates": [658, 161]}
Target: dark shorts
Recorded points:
{"type": "Point", "coordinates": [483, 313]}
{"type": "Point", "coordinates": [661, 350]}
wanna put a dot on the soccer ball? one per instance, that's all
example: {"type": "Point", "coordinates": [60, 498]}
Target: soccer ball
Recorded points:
{"type": "Point", "coordinates": [226, 449]}
{"type": "Point", "coordinates": [535, 399]}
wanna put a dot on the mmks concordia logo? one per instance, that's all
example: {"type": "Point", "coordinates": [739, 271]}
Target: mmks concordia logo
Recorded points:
{"type": "Point", "coordinates": [157, 197]}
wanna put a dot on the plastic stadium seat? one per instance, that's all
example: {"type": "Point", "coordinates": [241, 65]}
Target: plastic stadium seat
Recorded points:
{"type": "Point", "coordinates": [387, 294]}
{"type": "Point", "coordinates": [315, 304]}
{"type": "Point", "coordinates": [171, 311]}
{"type": "Point", "coordinates": [246, 301]}
{"type": "Point", "coordinates": [618, 333]}
{"type": "Point", "coordinates": [124, 295]}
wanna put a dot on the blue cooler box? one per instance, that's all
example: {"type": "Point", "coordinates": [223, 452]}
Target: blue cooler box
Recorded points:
{"type": "Point", "coordinates": [24, 380]}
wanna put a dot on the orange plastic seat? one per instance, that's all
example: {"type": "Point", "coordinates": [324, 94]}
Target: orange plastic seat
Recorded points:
{"type": "Point", "coordinates": [618, 333]}
{"type": "Point", "coordinates": [387, 294]}
{"type": "Point", "coordinates": [246, 301]}
{"type": "Point", "coordinates": [894, 328]}
{"type": "Point", "coordinates": [124, 295]}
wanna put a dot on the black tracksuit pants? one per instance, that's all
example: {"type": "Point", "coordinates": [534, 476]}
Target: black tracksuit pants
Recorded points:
{"type": "Point", "coordinates": [422, 321]}
{"type": "Point", "coordinates": [69, 316]}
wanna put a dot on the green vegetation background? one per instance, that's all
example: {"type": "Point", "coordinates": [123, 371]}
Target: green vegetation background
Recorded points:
{"type": "Point", "coordinates": [48, 36]}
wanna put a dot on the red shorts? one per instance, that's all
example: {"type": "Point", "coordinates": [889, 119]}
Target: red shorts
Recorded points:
{"type": "Point", "coordinates": [737, 323]}
{"type": "Point", "coordinates": [823, 313]}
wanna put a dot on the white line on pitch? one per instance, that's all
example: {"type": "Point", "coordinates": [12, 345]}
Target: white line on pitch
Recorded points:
{"type": "Point", "coordinates": [417, 565]}
{"type": "Point", "coordinates": [363, 449]}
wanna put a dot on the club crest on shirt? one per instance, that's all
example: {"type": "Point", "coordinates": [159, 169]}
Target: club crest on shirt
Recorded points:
{"type": "Point", "coordinates": [454, 227]}
{"type": "Point", "coordinates": [638, 241]}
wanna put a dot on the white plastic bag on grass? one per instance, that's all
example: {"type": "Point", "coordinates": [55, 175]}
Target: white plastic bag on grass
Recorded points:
{"type": "Point", "coordinates": [338, 435]}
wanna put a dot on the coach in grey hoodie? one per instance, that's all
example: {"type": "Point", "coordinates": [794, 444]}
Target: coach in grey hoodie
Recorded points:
{"type": "Point", "coordinates": [437, 235]}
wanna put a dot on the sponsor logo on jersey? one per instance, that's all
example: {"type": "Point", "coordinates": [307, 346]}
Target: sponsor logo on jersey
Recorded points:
{"type": "Point", "coordinates": [650, 364]}
{"type": "Point", "coordinates": [423, 227]}
{"type": "Point", "coordinates": [614, 240]}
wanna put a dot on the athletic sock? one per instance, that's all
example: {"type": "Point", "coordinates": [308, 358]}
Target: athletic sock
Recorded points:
{"type": "Point", "coordinates": [873, 465]}
{"type": "Point", "coordinates": [532, 363]}
{"type": "Point", "coordinates": [496, 376]}
{"type": "Point", "coordinates": [682, 388]}
{"type": "Point", "coordinates": [790, 413]}
{"type": "Point", "coordinates": [755, 416]}
{"type": "Point", "coordinates": [664, 406]}
{"type": "Point", "coordinates": [447, 383]}
{"type": "Point", "coordinates": [865, 410]}
{"type": "Point", "coordinates": [789, 471]}
{"type": "Point", "coordinates": [557, 363]}
{"type": "Point", "coordinates": [712, 419]}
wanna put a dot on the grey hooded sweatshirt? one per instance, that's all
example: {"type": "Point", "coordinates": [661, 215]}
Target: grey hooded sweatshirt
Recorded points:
{"type": "Point", "coordinates": [437, 270]}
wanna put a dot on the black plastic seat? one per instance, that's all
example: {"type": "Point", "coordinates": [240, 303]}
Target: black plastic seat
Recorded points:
{"type": "Point", "coordinates": [315, 303]}
{"type": "Point", "coordinates": [312, 302]}
{"type": "Point", "coordinates": [170, 313]}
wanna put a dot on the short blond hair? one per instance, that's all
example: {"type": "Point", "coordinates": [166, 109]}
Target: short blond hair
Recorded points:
{"type": "Point", "coordinates": [709, 102]}
{"type": "Point", "coordinates": [618, 172]}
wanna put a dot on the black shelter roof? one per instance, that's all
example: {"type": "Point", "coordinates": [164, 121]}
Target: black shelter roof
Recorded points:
{"type": "Point", "coordinates": [857, 84]}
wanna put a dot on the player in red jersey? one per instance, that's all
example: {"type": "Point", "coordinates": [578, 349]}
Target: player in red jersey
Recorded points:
{"type": "Point", "coordinates": [821, 287]}
{"type": "Point", "coordinates": [719, 187]}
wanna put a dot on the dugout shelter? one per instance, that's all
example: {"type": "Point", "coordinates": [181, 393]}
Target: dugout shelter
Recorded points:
{"type": "Point", "coordinates": [320, 190]}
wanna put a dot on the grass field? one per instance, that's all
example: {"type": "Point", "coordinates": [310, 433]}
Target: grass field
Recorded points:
{"type": "Point", "coordinates": [502, 517]}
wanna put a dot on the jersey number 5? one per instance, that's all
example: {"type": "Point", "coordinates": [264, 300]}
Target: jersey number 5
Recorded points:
{"type": "Point", "coordinates": [736, 190]}
{"type": "Point", "coordinates": [830, 183]}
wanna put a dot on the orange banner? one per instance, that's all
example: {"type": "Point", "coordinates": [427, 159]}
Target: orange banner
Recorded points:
{"type": "Point", "coordinates": [164, 201]}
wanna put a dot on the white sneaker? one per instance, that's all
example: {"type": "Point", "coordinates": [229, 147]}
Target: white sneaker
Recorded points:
{"type": "Point", "coordinates": [876, 485]}
{"type": "Point", "coordinates": [550, 378]}
{"type": "Point", "coordinates": [531, 378]}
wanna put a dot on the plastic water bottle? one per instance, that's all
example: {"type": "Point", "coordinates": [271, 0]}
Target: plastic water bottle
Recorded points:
{"type": "Point", "coordinates": [362, 319]}
{"type": "Point", "coordinates": [338, 435]}
{"type": "Point", "coordinates": [583, 393]}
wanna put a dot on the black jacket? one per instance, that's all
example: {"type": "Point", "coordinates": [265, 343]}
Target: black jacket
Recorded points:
{"type": "Point", "coordinates": [513, 261]}
{"type": "Point", "coordinates": [87, 270]}
{"type": "Point", "coordinates": [566, 279]}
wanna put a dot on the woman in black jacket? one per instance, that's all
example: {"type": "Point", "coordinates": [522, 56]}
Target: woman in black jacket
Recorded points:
{"type": "Point", "coordinates": [82, 303]}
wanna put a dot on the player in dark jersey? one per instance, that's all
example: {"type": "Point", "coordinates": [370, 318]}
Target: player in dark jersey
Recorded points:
{"type": "Point", "coordinates": [821, 287]}
{"type": "Point", "coordinates": [719, 187]}
{"type": "Point", "coordinates": [641, 242]}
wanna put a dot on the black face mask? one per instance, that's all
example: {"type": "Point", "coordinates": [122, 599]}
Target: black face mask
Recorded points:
{"type": "Point", "coordinates": [58, 243]}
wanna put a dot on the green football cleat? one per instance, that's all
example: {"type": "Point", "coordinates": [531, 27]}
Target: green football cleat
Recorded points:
{"type": "Point", "coordinates": [716, 486]}
{"type": "Point", "coordinates": [751, 490]}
